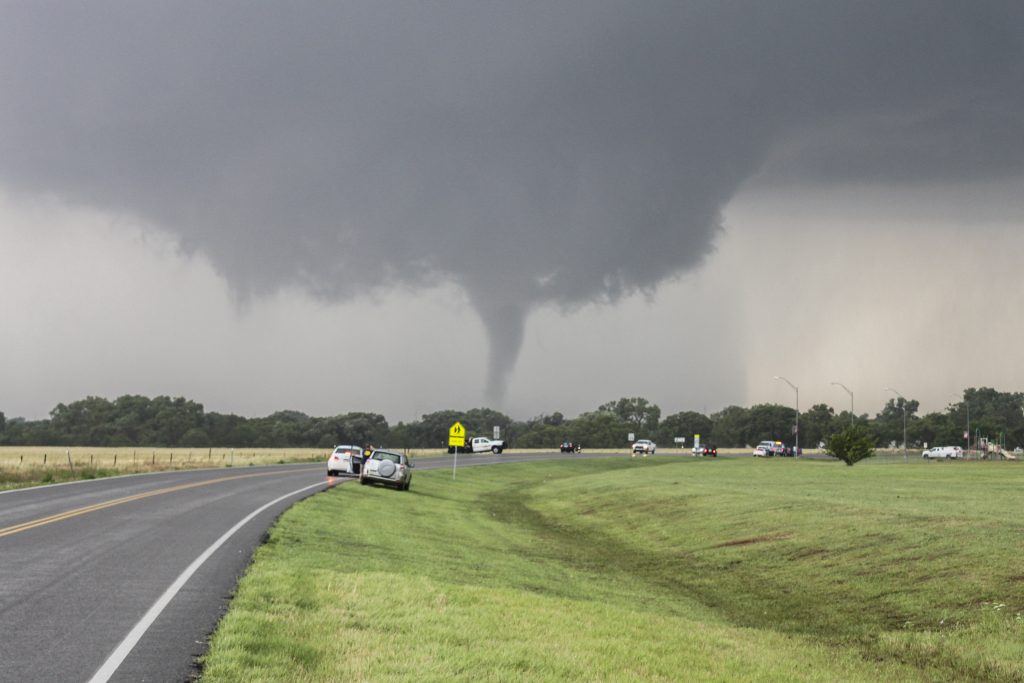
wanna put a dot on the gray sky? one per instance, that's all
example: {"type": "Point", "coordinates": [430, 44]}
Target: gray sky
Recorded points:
{"type": "Point", "coordinates": [409, 206]}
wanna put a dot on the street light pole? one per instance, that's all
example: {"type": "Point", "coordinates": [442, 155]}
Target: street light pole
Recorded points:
{"type": "Point", "coordinates": [968, 426]}
{"type": "Point", "coordinates": [904, 420]}
{"type": "Point", "coordinates": [796, 446]}
{"type": "Point", "coordinates": [847, 390]}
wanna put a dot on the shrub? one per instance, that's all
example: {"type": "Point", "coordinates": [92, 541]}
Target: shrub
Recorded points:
{"type": "Point", "coordinates": [851, 445]}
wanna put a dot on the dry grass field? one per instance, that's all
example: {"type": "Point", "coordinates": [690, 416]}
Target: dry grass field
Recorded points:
{"type": "Point", "coordinates": [147, 459]}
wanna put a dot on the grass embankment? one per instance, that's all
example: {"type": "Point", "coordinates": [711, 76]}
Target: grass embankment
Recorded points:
{"type": "Point", "coordinates": [648, 569]}
{"type": "Point", "coordinates": [32, 465]}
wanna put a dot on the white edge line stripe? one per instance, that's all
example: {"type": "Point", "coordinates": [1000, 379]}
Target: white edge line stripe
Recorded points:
{"type": "Point", "coordinates": [135, 635]}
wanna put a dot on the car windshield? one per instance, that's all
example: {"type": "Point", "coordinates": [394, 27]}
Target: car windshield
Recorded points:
{"type": "Point", "coordinates": [384, 455]}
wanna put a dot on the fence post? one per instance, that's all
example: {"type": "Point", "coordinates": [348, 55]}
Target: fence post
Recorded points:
{"type": "Point", "coordinates": [71, 465]}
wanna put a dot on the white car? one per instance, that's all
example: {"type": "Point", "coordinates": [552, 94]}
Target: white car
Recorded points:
{"type": "Point", "coordinates": [387, 467]}
{"type": "Point", "coordinates": [644, 446]}
{"type": "Point", "coordinates": [943, 453]}
{"type": "Point", "coordinates": [345, 460]}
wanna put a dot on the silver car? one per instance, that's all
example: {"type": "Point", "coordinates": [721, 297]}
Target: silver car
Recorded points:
{"type": "Point", "coordinates": [387, 467]}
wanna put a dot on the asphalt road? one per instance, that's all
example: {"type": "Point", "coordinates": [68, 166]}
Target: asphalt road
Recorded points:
{"type": "Point", "coordinates": [81, 564]}
{"type": "Point", "coordinates": [124, 579]}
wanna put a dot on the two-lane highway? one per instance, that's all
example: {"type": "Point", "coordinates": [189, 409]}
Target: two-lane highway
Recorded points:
{"type": "Point", "coordinates": [125, 578]}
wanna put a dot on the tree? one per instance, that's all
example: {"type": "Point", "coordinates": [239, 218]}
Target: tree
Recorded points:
{"type": "Point", "coordinates": [730, 427]}
{"type": "Point", "coordinates": [851, 445]}
{"type": "Point", "coordinates": [817, 424]}
{"type": "Point", "coordinates": [555, 418]}
{"type": "Point", "coordinates": [600, 429]}
{"type": "Point", "coordinates": [770, 421]}
{"type": "Point", "coordinates": [994, 413]}
{"type": "Point", "coordinates": [639, 413]}
{"type": "Point", "coordinates": [684, 424]}
{"type": "Point", "coordinates": [888, 424]}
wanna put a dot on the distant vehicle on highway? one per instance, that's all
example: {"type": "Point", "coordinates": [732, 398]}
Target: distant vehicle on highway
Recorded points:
{"type": "Point", "coordinates": [711, 451]}
{"type": "Point", "coordinates": [480, 444]}
{"type": "Point", "coordinates": [570, 447]}
{"type": "Point", "coordinates": [345, 460]}
{"type": "Point", "coordinates": [769, 449]}
{"type": "Point", "coordinates": [943, 453]}
{"type": "Point", "coordinates": [645, 446]}
{"type": "Point", "coordinates": [387, 467]}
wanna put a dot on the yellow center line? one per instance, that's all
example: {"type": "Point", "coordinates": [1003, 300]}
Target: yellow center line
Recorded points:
{"type": "Point", "coordinates": [25, 526]}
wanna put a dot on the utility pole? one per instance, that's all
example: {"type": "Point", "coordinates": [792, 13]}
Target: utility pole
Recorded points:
{"type": "Point", "coordinates": [847, 390]}
{"type": "Point", "coordinates": [904, 420]}
{"type": "Point", "coordinates": [796, 447]}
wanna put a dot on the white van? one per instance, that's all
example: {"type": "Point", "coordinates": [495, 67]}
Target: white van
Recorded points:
{"type": "Point", "coordinates": [943, 453]}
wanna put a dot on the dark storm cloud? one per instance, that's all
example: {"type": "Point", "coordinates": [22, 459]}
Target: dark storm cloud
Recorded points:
{"type": "Point", "coordinates": [532, 152]}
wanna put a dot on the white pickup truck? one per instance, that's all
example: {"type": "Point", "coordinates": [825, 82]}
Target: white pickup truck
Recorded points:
{"type": "Point", "coordinates": [480, 444]}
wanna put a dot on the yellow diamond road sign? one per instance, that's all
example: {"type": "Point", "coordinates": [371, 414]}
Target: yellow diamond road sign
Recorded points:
{"type": "Point", "coordinates": [457, 435]}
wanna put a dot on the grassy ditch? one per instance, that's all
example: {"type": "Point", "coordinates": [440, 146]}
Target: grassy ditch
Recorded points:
{"type": "Point", "coordinates": [657, 569]}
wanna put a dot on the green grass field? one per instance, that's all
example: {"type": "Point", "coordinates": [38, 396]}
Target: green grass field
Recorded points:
{"type": "Point", "coordinates": [663, 569]}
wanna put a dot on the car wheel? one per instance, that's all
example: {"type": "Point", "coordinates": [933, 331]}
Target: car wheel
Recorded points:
{"type": "Point", "coordinates": [362, 480]}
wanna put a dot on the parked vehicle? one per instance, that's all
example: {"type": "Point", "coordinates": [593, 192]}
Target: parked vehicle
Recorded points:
{"type": "Point", "coordinates": [711, 451]}
{"type": "Point", "coordinates": [645, 446]}
{"type": "Point", "coordinates": [771, 448]}
{"type": "Point", "coordinates": [387, 467]}
{"type": "Point", "coordinates": [570, 447]}
{"type": "Point", "coordinates": [480, 444]}
{"type": "Point", "coordinates": [345, 460]}
{"type": "Point", "coordinates": [943, 453]}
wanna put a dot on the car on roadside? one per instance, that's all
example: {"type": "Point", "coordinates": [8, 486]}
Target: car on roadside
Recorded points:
{"type": "Point", "coordinates": [771, 449]}
{"type": "Point", "coordinates": [570, 447]}
{"type": "Point", "coordinates": [645, 446]}
{"type": "Point", "coordinates": [943, 453]}
{"type": "Point", "coordinates": [710, 451]}
{"type": "Point", "coordinates": [345, 459]}
{"type": "Point", "coordinates": [387, 467]}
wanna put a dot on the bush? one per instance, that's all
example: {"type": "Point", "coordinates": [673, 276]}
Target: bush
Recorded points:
{"type": "Point", "coordinates": [851, 445]}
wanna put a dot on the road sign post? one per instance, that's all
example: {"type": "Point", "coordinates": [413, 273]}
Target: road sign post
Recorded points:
{"type": "Point", "coordinates": [456, 440]}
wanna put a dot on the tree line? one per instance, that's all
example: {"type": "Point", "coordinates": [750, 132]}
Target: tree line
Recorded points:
{"type": "Point", "coordinates": [178, 422]}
